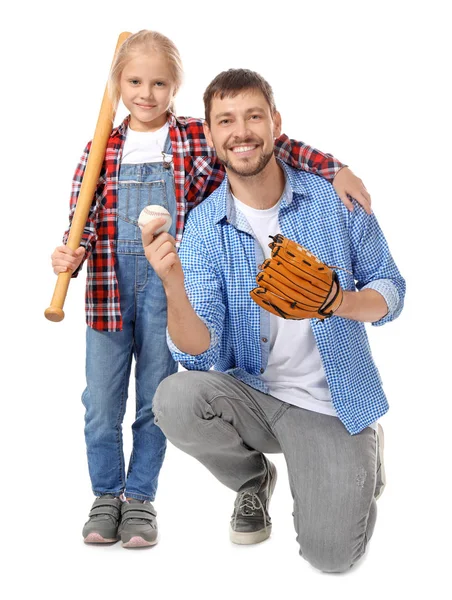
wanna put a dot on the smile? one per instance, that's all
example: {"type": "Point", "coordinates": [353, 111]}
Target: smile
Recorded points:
{"type": "Point", "coordinates": [240, 149]}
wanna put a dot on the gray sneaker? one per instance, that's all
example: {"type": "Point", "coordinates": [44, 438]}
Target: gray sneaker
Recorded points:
{"type": "Point", "coordinates": [381, 473]}
{"type": "Point", "coordinates": [250, 522]}
{"type": "Point", "coordinates": [138, 526]}
{"type": "Point", "coordinates": [102, 525]}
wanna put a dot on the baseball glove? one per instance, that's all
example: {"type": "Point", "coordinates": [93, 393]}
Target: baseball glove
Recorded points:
{"type": "Point", "coordinates": [295, 284]}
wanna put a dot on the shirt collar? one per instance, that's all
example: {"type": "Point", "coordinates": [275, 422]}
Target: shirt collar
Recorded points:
{"type": "Point", "coordinates": [121, 130]}
{"type": "Point", "coordinates": [225, 203]}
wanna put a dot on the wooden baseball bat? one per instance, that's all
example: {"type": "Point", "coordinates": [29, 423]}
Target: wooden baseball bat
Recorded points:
{"type": "Point", "coordinates": [90, 178]}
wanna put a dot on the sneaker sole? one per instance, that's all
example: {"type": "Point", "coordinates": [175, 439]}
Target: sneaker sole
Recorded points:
{"type": "Point", "coordinates": [138, 542]}
{"type": "Point", "coordinates": [255, 537]}
{"type": "Point", "coordinates": [96, 538]}
{"type": "Point", "coordinates": [243, 538]}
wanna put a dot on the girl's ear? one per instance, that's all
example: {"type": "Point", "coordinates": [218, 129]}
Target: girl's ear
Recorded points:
{"type": "Point", "coordinates": [172, 101]}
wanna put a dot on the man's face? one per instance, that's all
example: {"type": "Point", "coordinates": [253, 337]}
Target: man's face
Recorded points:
{"type": "Point", "coordinates": [242, 131]}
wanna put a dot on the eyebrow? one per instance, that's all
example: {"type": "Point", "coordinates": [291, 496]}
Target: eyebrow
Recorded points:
{"type": "Point", "coordinates": [152, 79]}
{"type": "Point", "coordinates": [249, 110]}
{"type": "Point", "coordinates": [223, 114]}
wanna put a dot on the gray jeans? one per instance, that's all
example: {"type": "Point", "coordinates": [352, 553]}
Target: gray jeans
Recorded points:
{"type": "Point", "coordinates": [227, 425]}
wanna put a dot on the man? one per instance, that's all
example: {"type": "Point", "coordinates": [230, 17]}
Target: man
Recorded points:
{"type": "Point", "coordinates": [306, 388]}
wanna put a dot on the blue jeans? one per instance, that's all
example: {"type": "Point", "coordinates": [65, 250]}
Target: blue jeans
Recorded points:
{"type": "Point", "coordinates": [109, 354]}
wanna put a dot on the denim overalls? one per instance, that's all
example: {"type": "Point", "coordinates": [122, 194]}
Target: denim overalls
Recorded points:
{"type": "Point", "coordinates": [109, 354]}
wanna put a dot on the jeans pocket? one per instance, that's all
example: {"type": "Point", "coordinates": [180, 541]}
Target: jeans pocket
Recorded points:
{"type": "Point", "coordinates": [134, 196]}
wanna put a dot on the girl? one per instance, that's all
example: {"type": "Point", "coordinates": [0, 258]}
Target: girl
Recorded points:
{"type": "Point", "coordinates": [153, 157]}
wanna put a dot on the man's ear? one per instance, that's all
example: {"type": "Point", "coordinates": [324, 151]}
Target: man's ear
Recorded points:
{"type": "Point", "coordinates": [276, 124]}
{"type": "Point", "coordinates": [208, 134]}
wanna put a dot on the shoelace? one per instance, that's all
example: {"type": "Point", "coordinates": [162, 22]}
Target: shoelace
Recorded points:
{"type": "Point", "coordinates": [247, 502]}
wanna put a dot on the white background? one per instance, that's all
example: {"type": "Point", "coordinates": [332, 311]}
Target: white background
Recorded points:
{"type": "Point", "coordinates": [366, 81]}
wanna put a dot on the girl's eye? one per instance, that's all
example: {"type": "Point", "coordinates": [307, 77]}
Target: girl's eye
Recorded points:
{"type": "Point", "coordinates": [134, 81]}
{"type": "Point", "coordinates": [159, 83]}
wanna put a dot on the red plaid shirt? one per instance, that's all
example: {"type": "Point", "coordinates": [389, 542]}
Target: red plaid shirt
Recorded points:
{"type": "Point", "coordinates": [197, 173]}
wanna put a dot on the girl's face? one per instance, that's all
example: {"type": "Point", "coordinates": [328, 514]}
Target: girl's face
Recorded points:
{"type": "Point", "coordinates": [147, 90]}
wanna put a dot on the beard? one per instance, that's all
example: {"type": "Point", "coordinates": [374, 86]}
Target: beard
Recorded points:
{"type": "Point", "coordinates": [247, 167]}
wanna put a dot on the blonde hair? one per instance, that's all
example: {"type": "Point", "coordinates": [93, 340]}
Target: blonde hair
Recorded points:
{"type": "Point", "coordinates": [145, 41]}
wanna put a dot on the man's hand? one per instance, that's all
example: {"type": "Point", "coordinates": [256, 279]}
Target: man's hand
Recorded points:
{"type": "Point", "coordinates": [64, 259]}
{"type": "Point", "coordinates": [161, 253]}
{"type": "Point", "coordinates": [347, 184]}
{"type": "Point", "coordinates": [187, 331]}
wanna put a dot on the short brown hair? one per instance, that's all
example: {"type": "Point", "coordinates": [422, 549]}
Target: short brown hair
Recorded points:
{"type": "Point", "coordinates": [232, 82]}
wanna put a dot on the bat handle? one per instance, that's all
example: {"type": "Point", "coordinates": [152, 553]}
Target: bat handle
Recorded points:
{"type": "Point", "coordinates": [55, 311]}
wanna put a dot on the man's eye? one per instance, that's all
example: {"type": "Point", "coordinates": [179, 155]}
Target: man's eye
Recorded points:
{"type": "Point", "coordinates": [224, 121]}
{"type": "Point", "coordinates": [255, 117]}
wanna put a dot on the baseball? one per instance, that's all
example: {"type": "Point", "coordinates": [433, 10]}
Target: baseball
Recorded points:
{"type": "Point", "coordinates": [154, 211]}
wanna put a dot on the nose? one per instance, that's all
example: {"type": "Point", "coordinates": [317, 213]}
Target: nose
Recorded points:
{"type": "Point", "coordinates": [241, 129]}
{"type": "Point", "coordinates": [146, 92]}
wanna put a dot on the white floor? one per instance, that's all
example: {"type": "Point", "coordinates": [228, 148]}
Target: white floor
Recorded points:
{"type": "Point", "coordinates": [42, 524]}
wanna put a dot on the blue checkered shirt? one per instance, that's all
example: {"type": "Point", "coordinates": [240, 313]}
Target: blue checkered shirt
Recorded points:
{"type": "Point", "coordinates": [220, 258]}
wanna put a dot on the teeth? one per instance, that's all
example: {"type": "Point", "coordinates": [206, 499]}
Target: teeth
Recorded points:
{"type": "Point", "coordinates": [243, 148]}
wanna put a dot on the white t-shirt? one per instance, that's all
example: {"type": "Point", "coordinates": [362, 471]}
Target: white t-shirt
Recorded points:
{"type": "Point", "coordinates": [294, 372]}
{"type": "Point", "coordinates": [145, 146]}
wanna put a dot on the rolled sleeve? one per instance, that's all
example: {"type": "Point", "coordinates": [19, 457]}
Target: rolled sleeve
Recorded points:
{"type": "Point", "coordinates": [198, 362]}
{"type": "Point", "coordinates": [389, 291]}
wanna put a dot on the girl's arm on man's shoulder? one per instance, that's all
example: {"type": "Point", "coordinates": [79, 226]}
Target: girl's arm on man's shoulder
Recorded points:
{"type": "Point", "coordinates": [301, 156]}
{"type": "Point", "coordinates": [295, 153]}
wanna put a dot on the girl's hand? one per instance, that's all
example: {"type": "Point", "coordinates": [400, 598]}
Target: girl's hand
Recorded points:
{"type": "Point", "coordinates": [347, 184]}
{"type": "Point", "coordinates": [64, 259]}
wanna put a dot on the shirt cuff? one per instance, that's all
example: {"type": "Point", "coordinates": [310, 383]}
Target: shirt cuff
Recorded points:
{"type": "Point", "coordinates": [198, 362]}
{"type": "Point", "coordinates": [391, 295]}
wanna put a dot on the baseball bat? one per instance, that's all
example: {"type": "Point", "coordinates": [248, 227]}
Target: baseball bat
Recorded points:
{"type": "Point", "coordinates": [90, 178]}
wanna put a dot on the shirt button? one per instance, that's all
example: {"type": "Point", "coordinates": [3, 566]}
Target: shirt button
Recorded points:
{"type": "Point", "coordinates": [264, 340]}
{"type": "Point", "coordinates": [262, 370]}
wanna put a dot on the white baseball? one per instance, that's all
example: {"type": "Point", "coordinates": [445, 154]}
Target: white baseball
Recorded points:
{"type": "Point", "coordinates": [154, 211]}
